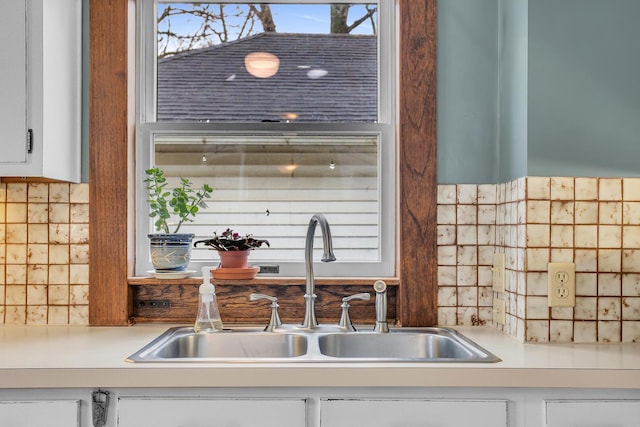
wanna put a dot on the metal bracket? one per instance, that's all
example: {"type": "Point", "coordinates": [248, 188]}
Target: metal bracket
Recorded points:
{"type": "Point", "coordinates": [99, 406]}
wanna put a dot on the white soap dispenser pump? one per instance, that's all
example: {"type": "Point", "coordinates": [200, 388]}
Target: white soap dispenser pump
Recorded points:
{"type": "Point", "coordinates": [208, 319]}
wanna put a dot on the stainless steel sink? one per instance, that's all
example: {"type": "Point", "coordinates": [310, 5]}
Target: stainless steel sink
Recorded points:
{"type": "Point", "coordinates": [182, 344]}
{"type": "Point", "coordinates": [434, 345]}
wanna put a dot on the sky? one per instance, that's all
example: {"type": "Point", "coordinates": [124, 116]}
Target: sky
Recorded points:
{"type": "Point", "coordinates": [289, 18]}
{"type": "Point", "coordinates": [310, 18]}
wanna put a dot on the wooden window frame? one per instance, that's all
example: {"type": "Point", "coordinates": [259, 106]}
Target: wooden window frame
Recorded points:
{"type": "Point", "coordinates": [111, 161]}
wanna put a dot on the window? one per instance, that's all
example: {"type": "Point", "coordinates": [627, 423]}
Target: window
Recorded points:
{"type": "Point", "coordinates": [282, 124]}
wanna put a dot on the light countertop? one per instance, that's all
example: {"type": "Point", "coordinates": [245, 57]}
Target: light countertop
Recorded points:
{"type": "Point", "coordinates": [80, 356]}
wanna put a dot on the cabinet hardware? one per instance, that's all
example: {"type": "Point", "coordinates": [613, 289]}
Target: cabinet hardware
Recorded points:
{"type": "Point", "coordinates": [99, 406]}
{"type": "Point", "coordinates": [30, 141]}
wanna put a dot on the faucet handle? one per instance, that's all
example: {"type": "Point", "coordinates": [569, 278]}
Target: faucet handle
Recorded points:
{"type": "Point", "coordinates": [345, 320]}
{"type": "Point", "coordinates": [275, 321]}
{"type": "Point", "coordinates": [257, 297]}
{"type": "Point", "coordinates": [363, 296]}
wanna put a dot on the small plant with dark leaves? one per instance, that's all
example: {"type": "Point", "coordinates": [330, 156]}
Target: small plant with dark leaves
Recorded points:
{"type": "Point", "coordinates": [229, 240]}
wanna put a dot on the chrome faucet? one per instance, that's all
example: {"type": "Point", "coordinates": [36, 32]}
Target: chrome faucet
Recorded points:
{"type": "Point", "coordinates": [310, 321]}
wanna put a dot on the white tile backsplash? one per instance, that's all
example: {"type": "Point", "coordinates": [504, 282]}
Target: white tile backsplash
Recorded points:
{"type": "Point", "coordinates": [44, 235]}
{"type": "Point", "coordinates": [593, 222]}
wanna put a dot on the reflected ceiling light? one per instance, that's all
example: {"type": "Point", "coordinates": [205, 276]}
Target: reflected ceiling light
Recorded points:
{"type": "Point", "coordinates": [204, 150]}
{"type": "Point", "coordinates": [287, 169]}
{"type": "Point", "coordinates": [332, 165]}
{"type": "Point", "coordinates": [289, 116]}
{"type": "Point", "coordinates": [317, 73]}
{"type": "Point", "coordinates": [262, 64]}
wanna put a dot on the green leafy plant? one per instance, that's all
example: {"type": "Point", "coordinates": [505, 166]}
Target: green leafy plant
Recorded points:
{"type": "Point", "coordinates": [182, 202]}
{"type": "Point", "coordinates": [229, 240]}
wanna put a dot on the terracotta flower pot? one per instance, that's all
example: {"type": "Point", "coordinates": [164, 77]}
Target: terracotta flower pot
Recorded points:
{"type": "Point", "coordinates": [233, 259]}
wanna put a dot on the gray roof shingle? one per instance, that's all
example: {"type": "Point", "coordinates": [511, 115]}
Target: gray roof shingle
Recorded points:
{"type": "Point", "coordinates": [213, 84]}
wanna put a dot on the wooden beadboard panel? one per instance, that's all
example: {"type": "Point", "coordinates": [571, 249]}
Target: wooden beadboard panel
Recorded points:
{"type": "Point", "coordinates": [235, 306]}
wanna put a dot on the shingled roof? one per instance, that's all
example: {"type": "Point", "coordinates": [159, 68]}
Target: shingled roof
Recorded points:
{"type": "Point", "coordinates": [213, 84]}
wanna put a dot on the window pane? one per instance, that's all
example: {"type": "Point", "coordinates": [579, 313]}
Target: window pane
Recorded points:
{"type": "Point", "coordinates": [203, 116]}
{"type": "Point", "coordinates": [267, 62]}
{"type": "Point", "coordinates": [270, 186]}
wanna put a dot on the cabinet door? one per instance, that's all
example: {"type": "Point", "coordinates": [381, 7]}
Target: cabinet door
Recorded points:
{"type": "Point", "coordinates": [413, 413]}
{"type": "Point", "coordinates": [62, 413]}
{"type": "Point", "coordinates": [592, 413]}
{"type": "Point", "coordinates": [13, 82]}
{"type": "Point", "coordinates": [40, 88]}
{"type": "Point", "coordinates": [203, 412]}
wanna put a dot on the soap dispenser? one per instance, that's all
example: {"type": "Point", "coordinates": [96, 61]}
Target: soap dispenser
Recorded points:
{"type": "Point", "coordinates": [208, 319]}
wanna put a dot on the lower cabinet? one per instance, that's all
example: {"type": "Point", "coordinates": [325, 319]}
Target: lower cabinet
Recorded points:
{"type": "Point", "coordinates": [414, 413]}
{"type": "Point", "coordinates": [38, 413]}
{"type": "Point", "coordinates": [206, 412]}
{"type": "Point", "coordinates": [592, 413]}
{"type": "Point", "coordinates": [320, 407]}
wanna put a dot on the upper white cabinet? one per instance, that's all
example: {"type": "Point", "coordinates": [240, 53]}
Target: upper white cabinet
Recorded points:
{"type": "Point", "coordinates": [13, 84]}
{"type": "Point", "coordinates": [40, 89]}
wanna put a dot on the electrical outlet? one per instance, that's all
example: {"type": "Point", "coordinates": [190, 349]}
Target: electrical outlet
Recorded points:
{"type": "Point", "coordinates": [499, 311]}
{"type": "Point", "coordinates": [498, 272]}
{"type": "Point", "coordinates": [562, 284]}
{"type": "Point", "coordinates": [269, 269]}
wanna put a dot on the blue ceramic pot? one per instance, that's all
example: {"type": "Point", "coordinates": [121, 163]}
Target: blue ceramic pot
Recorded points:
{"type": "Point", "coordinates": [170, 252]}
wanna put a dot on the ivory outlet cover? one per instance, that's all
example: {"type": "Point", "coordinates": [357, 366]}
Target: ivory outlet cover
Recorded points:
{"type": "Point", "coordinates": [562, 284]}
{"type": "Point", "coordinates": [498, 271]}
{"type": "Point", "coordinates": [499, 311]}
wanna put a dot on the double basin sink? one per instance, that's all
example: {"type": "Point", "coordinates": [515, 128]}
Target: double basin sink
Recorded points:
{"type": "Point", "coordinates": [182, 344]}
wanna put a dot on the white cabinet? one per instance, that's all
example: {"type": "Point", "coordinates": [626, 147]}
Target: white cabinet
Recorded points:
{"type": "Point", "coordinates": [324, 407]}
{"type": "Point", "coordinates": [414, 413]}
{"type": "Point", "coordinates": [38, 413]}
{"type": "Point", "coordinates": [40, 88]}
{"type": "Point", "coordinates": [592, 413]}
{"type": "Point", "coordinates": [206, 412]}
{"type": "Point", "coordinates": [13, 84]}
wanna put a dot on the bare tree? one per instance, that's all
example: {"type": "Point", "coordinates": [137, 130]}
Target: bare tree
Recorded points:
{"type": "Point", "coordinates": [340, 15]}
{"type": "Point", "coordinates": [263, 13]}
{"type": "Point", "coordinates": [207, 24]}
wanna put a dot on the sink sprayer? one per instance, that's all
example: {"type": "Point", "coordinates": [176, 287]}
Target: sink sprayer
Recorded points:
{"type": "Point", "coordinates": [380, 287]}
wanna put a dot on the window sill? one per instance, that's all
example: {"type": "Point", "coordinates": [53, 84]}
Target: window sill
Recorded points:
{"type": "Point", "coordinates": [176, 300]}
{"type": "Point", "coordinates": [284, 281]}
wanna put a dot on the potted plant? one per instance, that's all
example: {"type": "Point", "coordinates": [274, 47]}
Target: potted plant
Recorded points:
{"type": "Point", "coordinates": [232, 247]}
{"type": "Point", "coordinates": [170, 250]}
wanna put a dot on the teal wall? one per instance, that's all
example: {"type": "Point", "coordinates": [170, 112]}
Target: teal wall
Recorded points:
{"type": "Point", "coordinates": [512, 98]}
{"type": "Point", "coordinates": [538, 87]}
{"type": "Point", "coordinates": [467, 90]}
{"type": "Point", "coordinates": [584, 88]}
